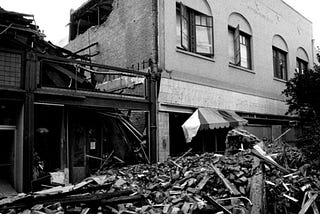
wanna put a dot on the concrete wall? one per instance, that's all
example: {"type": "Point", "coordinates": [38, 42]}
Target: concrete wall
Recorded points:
{"type": "Point", "coordinates": [188, 94]}
{"type": "Point", "coordinates": [126, 38]}
{"type": "Point", "coordinates": [266, 19]}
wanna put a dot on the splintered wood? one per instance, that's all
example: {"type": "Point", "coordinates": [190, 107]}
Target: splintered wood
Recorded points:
{"type": "Point", "coordinates": [184, 185]}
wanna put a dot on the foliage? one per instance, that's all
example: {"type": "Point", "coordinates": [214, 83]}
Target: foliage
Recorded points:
{"type": "Point", "coordinates": [303, 93]}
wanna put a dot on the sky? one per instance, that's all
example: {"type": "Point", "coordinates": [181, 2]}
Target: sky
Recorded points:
{"type": "Point", "coordinates": [52, 16]}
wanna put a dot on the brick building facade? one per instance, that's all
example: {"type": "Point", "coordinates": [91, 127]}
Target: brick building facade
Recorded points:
{"type": "Point", "coordinates": [224, 54]}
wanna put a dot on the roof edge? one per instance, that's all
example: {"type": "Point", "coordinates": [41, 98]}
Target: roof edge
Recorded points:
{"type": "Point", "coordinates": [297, 11]}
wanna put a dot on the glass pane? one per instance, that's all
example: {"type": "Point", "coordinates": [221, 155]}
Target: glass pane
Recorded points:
{"type": "Point", "coordinates": [244, 56]}
{"type": "Point", "coordinates": [231, 47]}
{"type": "Point", "coordinates": [204, 20]}
{"type": "Point", "coordinates": [185, 28]}
{"type": "Point", "coordinates": [178, 29]}
{"type": "Point", "coordinates": [185, 34]}
{"type": "Point", "coordinates": [209, 21]}
{"type": "Point", "coordinates": [204, 40]}
{"type": "Point", "coordinates": [198, 20]}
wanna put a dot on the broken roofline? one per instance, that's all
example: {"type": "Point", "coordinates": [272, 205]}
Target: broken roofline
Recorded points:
{"type": "Point", "coordinates": [103, 66]}
{"type": "Point", "coordinates": [90, 4]}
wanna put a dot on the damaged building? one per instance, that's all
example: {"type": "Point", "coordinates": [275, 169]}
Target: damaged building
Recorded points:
{"type": "Point", "coordinates": [63, 116]}
{"type": "Point", "coordinates": [225, 60]}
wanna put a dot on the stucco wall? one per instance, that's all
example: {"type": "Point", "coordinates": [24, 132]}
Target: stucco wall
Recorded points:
{"type": "Point", "coordinates": [125, 39]}
{"type": "Point", "coordinates": [266, 18]}
{"type": "Point", "coordinates": [193, 95]}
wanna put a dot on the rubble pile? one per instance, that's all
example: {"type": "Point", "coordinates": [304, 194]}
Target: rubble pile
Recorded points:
{"type": "Point", "coordinates": [182, 185]}
{"type": "Point", "coordinates": [240, 139]}
{"type": "Point", "coordinates": [289, 193]}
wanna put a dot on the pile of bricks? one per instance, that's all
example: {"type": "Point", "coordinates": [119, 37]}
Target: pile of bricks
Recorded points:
{"type": "Point", "coordinates": [188, 184]}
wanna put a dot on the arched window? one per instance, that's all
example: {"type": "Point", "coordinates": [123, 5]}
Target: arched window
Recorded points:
{"type": "Point", "coordinates": [302, 60]}
{"type": "Point", "coordinates": [240, 34]}
{"type": "Point", "coordinates": [280, 52]}
{"type": "Point", "coordinates": [194, 25]}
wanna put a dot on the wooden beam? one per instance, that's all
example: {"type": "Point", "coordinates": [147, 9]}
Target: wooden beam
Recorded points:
{"type": "Point", "coordinates": [233, 190]}
{"type": "Point", "coordinates": [85, 100]}
{"type": "Point", "coordinates": [70, 74]}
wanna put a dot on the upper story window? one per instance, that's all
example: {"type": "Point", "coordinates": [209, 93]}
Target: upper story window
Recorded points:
{"type": "Point", "coordinates": [302, 60]}
{"type": "Point", "coordinates": [301, 65]}
{"type": "Point", "coordinates": [239, 33]}
{"type": "Point", "coordinates": [194, 31]}
{"type": "Point", "coordinates": [280, 61]}
{"type": "Point", "coordinates": [239, 48]}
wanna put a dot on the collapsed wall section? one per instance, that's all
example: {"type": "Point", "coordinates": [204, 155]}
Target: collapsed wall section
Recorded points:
{"type": "Point", "coordinates": [124, 39]}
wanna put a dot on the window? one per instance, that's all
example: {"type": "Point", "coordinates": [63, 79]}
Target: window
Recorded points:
{"type": "Point", "coordinates": [10, 69]}
{"type": "Point", "coordinates": [302, 65]}
{"type": "Point", "coordinates": [239, 48]}
{"type": "Point", "coordinates": [194, 31]}
{"type": "Point", "coordinates": [280, 63]}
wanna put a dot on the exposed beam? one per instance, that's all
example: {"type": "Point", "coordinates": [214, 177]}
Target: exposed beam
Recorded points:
{"type": "Point", "coordinates": [72, 98]}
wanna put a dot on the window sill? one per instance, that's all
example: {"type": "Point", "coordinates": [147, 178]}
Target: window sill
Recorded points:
{"type": "Point", "coordinates": [241, 68]}
{"type": "Point", "coordinates": [194, 54]}
{"type": "Point", "coordinates": [279, 80]}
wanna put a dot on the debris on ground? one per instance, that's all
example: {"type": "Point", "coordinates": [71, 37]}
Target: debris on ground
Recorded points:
{"type": "Point", "coordinates": [182, 185]}
{"type": "Point", "coordinates": [294, 192]}
{"type": "Point", "coordinates": [191, 183]}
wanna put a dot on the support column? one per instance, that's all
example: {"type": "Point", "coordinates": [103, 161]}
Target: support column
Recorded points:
{"type": "Point", "coordinates": [28, 139]}
{"type": "Point", "coordinates": [153, 113]}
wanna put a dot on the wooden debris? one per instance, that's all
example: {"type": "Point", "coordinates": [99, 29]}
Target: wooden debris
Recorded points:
{"type": "Point", "coordinates": [269, 161]}
{"type": "Point", "coordinates": [170, 187]}
{"type": "Point", "coordinates": [308, 204]}
{"type": "Point", "coordinates": [227, 183]}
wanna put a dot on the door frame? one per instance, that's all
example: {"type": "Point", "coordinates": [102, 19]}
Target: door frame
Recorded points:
{"type": "Point", "coordinates": [15, 152]}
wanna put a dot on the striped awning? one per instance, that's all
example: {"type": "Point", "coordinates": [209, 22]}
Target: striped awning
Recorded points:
{"type": "Point", "coordinates": [210, 118]}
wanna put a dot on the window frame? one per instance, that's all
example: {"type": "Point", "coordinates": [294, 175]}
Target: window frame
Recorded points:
{"type": "Point", "coordinates": [301, 63]}
{"type": "Point", "coordinates": [237, 34]}
{"type": "Point", "coordinates": [189, 16]}
{"type": "Point", "coordinates": [276, 54]}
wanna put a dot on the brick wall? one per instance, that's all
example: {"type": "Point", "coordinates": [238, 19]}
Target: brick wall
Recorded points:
{"type": "Point", "coordinates": [126, 38]}
{"type": "Point", "coordinates": [164, 140]}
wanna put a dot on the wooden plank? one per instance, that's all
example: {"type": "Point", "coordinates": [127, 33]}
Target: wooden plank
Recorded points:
{"type": "Point", "coordinates": [78, 77]}
{"type": "Point", "coordinates": [257, 193]}
{"type": "Point", "coordinates": [268, 161]}
{"type": "Point", "coordinates": [203, 182]}
{"type": "Point", "coordinates": [226, 182]}
{"type": "Point", "coordinates": [114, 197]}
{"type": "Point", "coordinates": [215, 204]}
{"type": "Point", "coordinates": [308, 204]}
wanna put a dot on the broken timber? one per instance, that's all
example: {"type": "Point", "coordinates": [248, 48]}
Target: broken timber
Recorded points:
{"type": "Point", "coordinates": [233, 190]}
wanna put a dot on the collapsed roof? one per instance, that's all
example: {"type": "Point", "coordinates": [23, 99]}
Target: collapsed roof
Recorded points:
{"type": "Point", "coordinates": [93, 12]}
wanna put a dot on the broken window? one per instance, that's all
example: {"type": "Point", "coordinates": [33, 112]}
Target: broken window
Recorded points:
{"type": "Point", "coordinates": [194, 31]}
{"type": "Point", "coordinates": [239, 48]}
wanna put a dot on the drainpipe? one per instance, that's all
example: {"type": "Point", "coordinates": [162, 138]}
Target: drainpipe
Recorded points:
{"type": "Point", "coordinates": [312, 50]}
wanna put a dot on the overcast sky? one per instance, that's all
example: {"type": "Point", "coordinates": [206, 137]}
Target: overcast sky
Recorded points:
{"type": "Point", "coordinates": [52, 16]}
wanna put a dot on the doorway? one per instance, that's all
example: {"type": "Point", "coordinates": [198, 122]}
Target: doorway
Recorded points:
{"type": "Point", "coordinates": [7, 160]}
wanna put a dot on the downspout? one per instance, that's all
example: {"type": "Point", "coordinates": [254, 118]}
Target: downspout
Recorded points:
{"type": "Point", "coordinates": [313, 51]}
{"type": "Point", "coordinates": [155, 28]}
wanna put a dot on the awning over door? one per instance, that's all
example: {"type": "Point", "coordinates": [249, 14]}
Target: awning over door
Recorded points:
{"type": "Point", "coordinates": [210, 118]}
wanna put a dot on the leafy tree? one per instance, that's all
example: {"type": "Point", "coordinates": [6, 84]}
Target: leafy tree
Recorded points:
{"type": "Point", "coordinates": [303, 93]}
